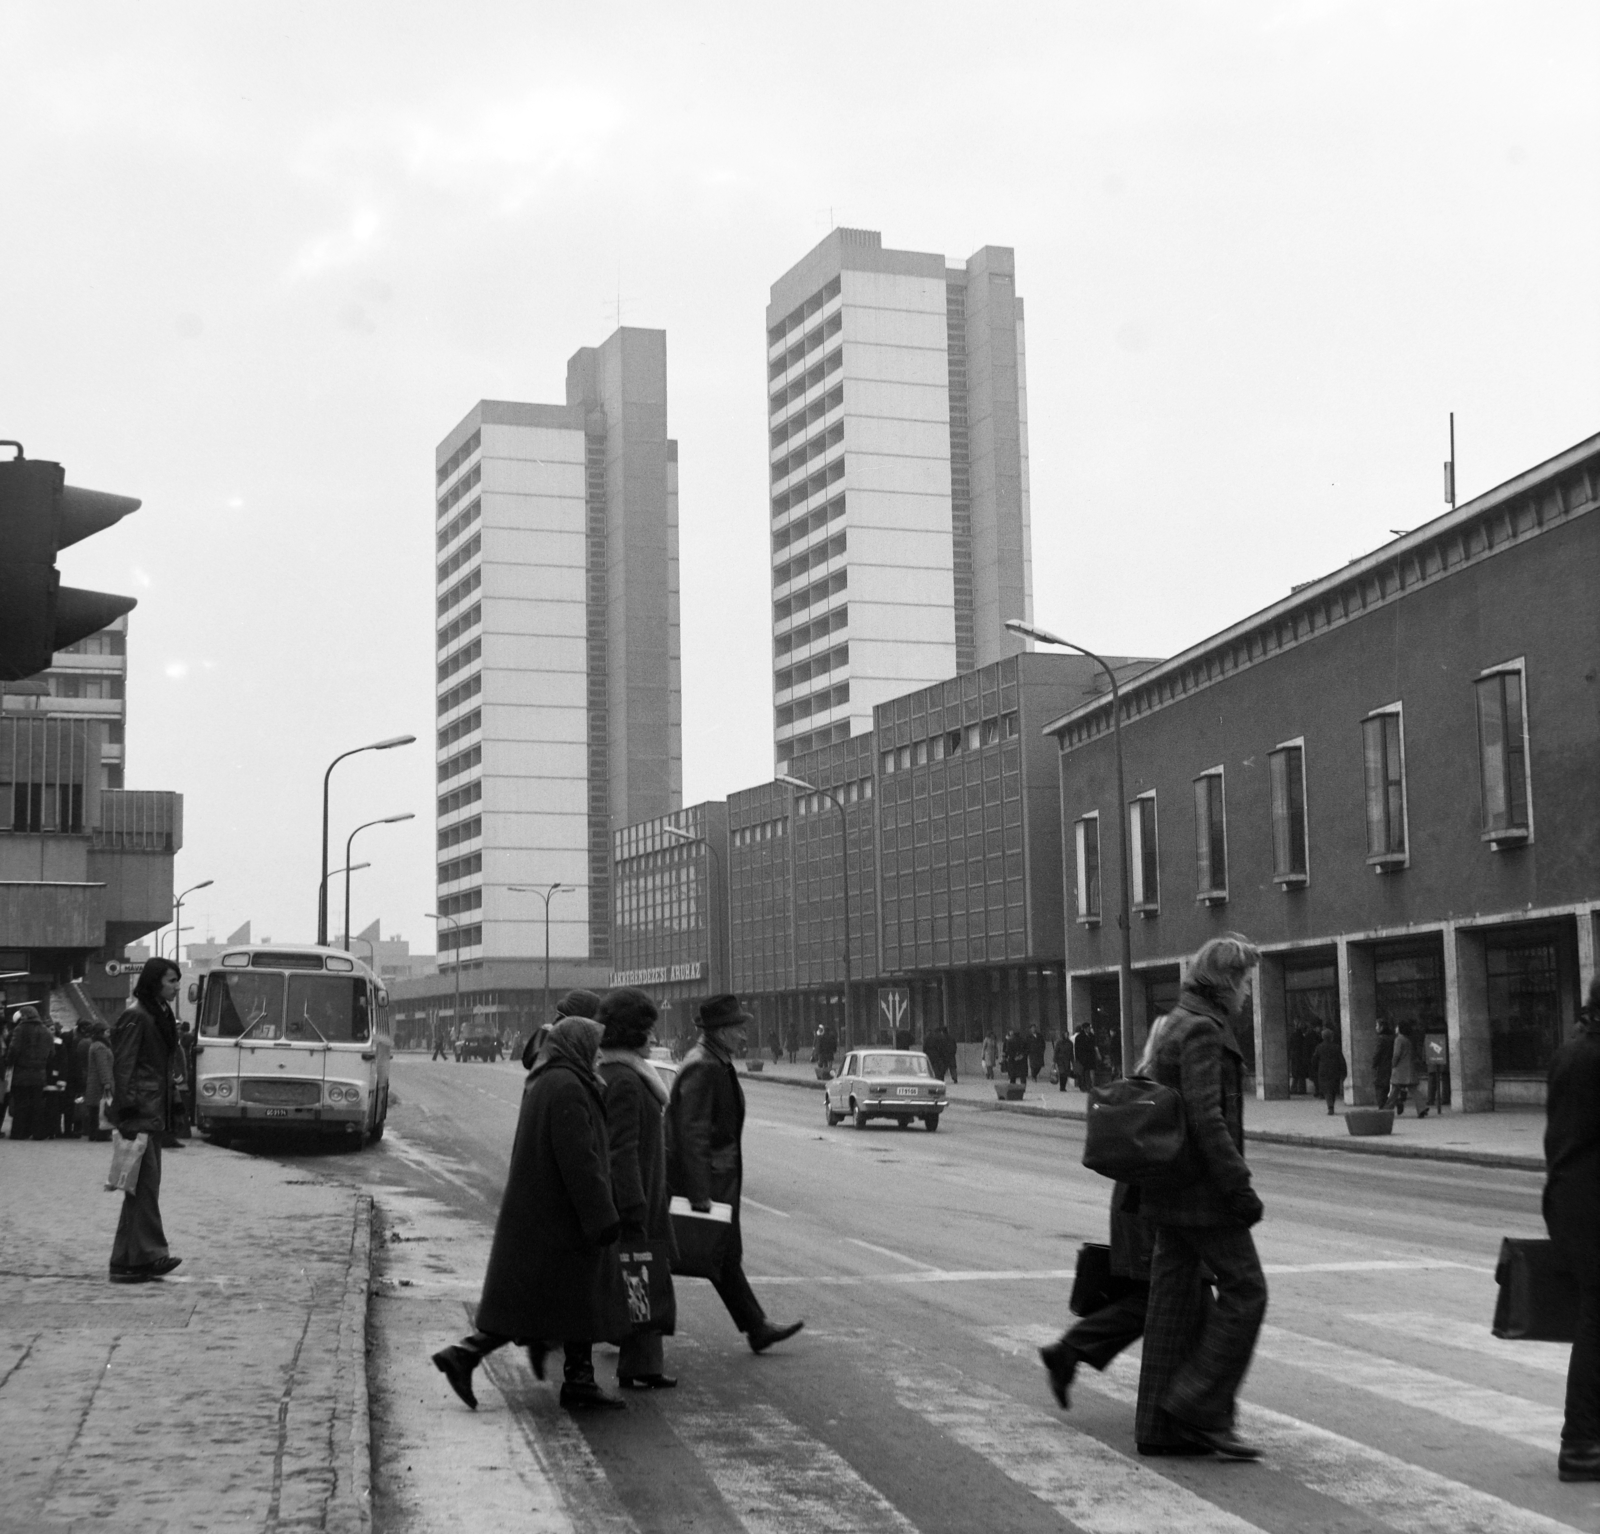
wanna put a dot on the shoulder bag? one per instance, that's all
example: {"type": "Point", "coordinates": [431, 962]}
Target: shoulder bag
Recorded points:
{"type": "Point", "coordinates": [1136, 1133]}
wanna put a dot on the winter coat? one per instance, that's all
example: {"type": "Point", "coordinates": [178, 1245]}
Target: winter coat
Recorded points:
{"type": "Point", "coordinates": [552, 1271]}
{"type": "Point", "coordinates": [1133, 1238]}
{"type": "Point", "coordinates": [1035, 1047]}
{"type": "Point", "coordinates": [1404, 1073]}
{"type": "Point", "coordinates": [1572, 1152]}
{"type": "Point", "coordinates": [1329, 1066]}
{"type": "Point", "coordinates": [705, 1123]}
{"type": "Point", "coordinates": [991, 1050]}
{"type": "Point", "coordinates": [1061, 1054]}
{"type": "Point", "coordinates": [1383, 1061]}
{"type": "Point", "coordinates": [1200, 1059]}
{"type": "Point", "coordinates": [142, 1045]}
{"type": "Point", "coordinates": [635, 1128]}
{"type": "Point", "coordinates": [1083, 1050]}
{"type": "Point", "coordinates": [1016, 1049]}
{"type": "Point", "coordinates": [29, 1055]}
{"type": "Point", "coordinates": [97, 1076]}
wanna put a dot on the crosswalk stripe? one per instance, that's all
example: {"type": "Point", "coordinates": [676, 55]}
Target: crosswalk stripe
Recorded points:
{"type": "Point", "coordinates": [1094, 1486]}
{"type": "Point", "coordinates": [1474, 1406]}
{"type": "Point", "coordinates": [775, 1477]}
{"type": "Point", "coordinates": [1057, 1275]}
{"type": "Point", "coordinates": [1470, 1336]}
{"type": "Point", "coordinates": [1395, 1492]}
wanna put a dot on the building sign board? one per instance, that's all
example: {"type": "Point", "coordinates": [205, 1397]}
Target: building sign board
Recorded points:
{"type": "Point", "coordinates": [661, 974]}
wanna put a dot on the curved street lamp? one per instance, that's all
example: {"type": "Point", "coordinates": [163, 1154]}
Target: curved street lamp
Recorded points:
{"type": "Point", "coordinates": [801, 786]}
{"type": "Point", "coordinates": [544, 893]}
{"type": "Point", "coordinates": [1124, 913]}
{"type": "Point", "coordinates": [386, 820]}
{"type": "Point", "coordinates": [177, 916]}
{"type": "Point", "coordinates": [322, 888]}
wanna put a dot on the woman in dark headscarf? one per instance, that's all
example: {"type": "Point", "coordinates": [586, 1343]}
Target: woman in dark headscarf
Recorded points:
{"type": "Point", "coordinates": [550, 1278]}
{"type": "Point", "coordinates": [144, 1041]}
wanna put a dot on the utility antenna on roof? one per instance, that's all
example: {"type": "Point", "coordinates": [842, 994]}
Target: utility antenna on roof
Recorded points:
{"type": "Point", "coordinates": [1450, 466]}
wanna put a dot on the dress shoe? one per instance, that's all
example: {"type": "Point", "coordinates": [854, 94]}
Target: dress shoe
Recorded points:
{"type": "Point", "coordinates": [1060, 1363]}
{"type": "Point", "coordinates": [122, 1274]}
{"type": "Point", "coordinates": [456, 1365]}
{"type": "Point", "coordinates": [163, 1266]}
{"type": "Point", "coordinates": [1172, 1450]}
{"type": "Point", "coordinates": [589, 1395]}
{"type": "Point", "coordinates": [647, 1381]}
{"type": "Point", "coordinates": [762, 1337]}
{"type": "Point", "coordinates": [1579, 1462]}
{"type": "Point", "coordinates": [1223, 1441]}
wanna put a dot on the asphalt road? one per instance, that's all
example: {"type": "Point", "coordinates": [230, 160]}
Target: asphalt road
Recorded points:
{"type": "Point", "coordinates": [928, 1267]}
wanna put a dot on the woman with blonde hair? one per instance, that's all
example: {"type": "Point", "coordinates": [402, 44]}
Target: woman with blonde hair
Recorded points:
{"type": "Point", "coordinates": [1195, 1353]}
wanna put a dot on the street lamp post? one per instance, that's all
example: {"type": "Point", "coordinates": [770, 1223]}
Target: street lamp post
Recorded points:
{"type": "Point", "coordinates": [386, 820]}
{"type": "Point", "coordinates": [544, 893]}
{"type": "Point", "coordinates": [677, 833]}
{"type": "Point", "coordinates": [455, 1016]}
{"type": "Point", "coordinates": [347, 870]}
{"type": "Point", "coordinates": [1125, 913]}
{"type": "Point", "coordinates": [801, 786]}
{"type": "Point", "coordinates": [322, 889]}
{"type": "Point", "coordinates": [177, 916]}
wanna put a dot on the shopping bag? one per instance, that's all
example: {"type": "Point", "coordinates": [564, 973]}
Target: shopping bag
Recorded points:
{"type": "Point", "coordinates": [127, 1156]}
{"type": "Point", "coordinates": [702, 1237]}
{"type": "Point", "coordinates": [1136, 1132]}
{"type": "Point", "coordinates": [647, 1282]}
{"type": "Point", "coordinates": [1538, 1300]}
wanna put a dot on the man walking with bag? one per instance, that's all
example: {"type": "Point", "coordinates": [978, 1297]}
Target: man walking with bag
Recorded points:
{"type": "Point", "coordinates": [705, 1162]}
{"type": "Point", "coordinates": [1195, 1355]}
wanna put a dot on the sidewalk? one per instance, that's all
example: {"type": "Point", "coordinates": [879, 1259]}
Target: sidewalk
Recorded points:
{"type": "Point", "coordinates": [230, 1396]}
{"type": "Point", "coordinates": [1505, 1139]}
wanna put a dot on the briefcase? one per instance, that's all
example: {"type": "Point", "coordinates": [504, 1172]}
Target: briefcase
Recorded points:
{"type": "Point", "coordinates": [1094, 1285]}
{"type": "Point", "coordinates": [702, 1238]}
{"type": "Point", "coordinates": [1538, 1300]}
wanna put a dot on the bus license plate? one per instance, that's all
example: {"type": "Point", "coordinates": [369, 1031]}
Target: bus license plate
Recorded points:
{"type": "Point", "coordinates": [277, 1113]}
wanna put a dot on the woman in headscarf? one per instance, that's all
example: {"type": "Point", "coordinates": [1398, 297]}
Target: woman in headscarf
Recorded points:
{"type": "Point", "coordinates": [144, 1040]}
{"type": "Point", "coordinates": [551, 1274]}
{"type": "Point", "coordinates": [636, 1100]}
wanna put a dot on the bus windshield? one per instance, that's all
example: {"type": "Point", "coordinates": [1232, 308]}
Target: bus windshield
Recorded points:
{"type": "Point", "coordinates": [311, 1009]}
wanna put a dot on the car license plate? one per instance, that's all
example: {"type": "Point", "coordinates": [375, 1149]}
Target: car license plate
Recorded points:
{"type": "Point", "coordinates": [277, 1113]}
{"type": "Point", "coordinates": [906, 1091]}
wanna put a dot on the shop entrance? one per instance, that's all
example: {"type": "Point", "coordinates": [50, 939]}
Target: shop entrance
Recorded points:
{"type": "Point", "coordinates": [1409, 994]}
{"type": "Point", "coordinates": [1532, 997]}
{"type": "Point", "coordinates": [1311, 1004]}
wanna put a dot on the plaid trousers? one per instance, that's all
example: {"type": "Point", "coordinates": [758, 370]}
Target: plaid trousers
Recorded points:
{"type": "Point", "coordinates": [1196, 1349]}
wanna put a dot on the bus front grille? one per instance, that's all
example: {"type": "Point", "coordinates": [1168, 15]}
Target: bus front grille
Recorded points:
{"type": "Point", "coordinates": [281, 1094]}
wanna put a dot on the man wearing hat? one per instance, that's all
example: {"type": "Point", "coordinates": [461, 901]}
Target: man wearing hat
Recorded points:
{"type": "Point", "coordinates": [32, 1044]}
{"type": "Point", "coordinates": [705, 1122]}
{"type": "Point", "coordinates": [573, 1004]}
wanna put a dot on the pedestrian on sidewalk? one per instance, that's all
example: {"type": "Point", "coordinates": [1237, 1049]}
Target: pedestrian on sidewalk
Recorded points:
{"type": "Point", "coordinates": [1572, 1215]}
{"type": "Point", "coordinates": [1382, 1063]}
{"type": "Point", "coordinates": [1035, 1048]}
{"type": "Point", "coordinates": [1085, 1056]}
{"type": "Point", "coordinates": [636, 1102]}
{"type": "Point", "coordinates": [144, 1040]}
{"type": "Point", "coordinates": [551, 1265]}
{"type": "Point", "coordinates": [1061, 1058]}
{"type": "Point", "coordinates": [1403, 1070]}
{"type": "Point", "coordinates": [28, 1055]}
{"type": "Point", "coordinates": [705, 1159]}
{"type": "Point", "coordinates": [1097, 1338]}
{"type": "Point", "coordinates": [1330, 1067]}
{"type": "Point", "coordinates": [1196, 1356]}
{"type": "Point", "coordinates": [1014, 1056]}
{"type": "Point", "coordinates": [991, 1054]}
{"type": "Point", "coordinates": [98, 1079]}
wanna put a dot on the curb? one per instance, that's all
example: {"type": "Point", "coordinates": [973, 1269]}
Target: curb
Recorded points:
{"type": "Point", "coordinates": [1502, 1160]}
{"type": "Point", "coordinates": [352, 1513]}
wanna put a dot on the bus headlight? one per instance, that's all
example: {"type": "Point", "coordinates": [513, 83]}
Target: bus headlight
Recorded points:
{"type": "Point", "coordinates": [224, 1089]}
{"type": "Point", "coordinates": [208, 1089]}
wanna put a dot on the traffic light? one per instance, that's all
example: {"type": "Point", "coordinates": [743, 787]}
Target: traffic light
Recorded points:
{"type": "Point", "coordinates": [40, 514]}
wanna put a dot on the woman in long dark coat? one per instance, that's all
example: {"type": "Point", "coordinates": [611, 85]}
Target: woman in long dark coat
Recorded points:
{"type": "Point", "coordinates": [144, 1042]}
{"type": "Point", "coordinates": [636, 1100]}
{"type": "Point", "coordinates": [552, 1274]}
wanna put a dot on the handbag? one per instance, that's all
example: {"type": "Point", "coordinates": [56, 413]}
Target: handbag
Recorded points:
{"type": "Point", "coordinates": [1136, 1132]}
{"type": "Point", "coordinates": [702, 1237]}
{"type": "Point", "coordinates": [1538, 1301]}
{"type": "Point", "coordinates": [127, 1156]}
{"type": "Point", "coordinates": [647, 1282]}
{"type": "Point", "coordinates": [1094, 1285]}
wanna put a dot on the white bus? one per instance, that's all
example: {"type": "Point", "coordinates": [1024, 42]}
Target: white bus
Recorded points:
{"type": "Point", "coordinates": [291, 1038]}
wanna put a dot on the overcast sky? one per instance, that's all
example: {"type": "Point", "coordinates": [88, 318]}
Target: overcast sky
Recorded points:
{"type": "Point", "coordinates": [259, 258]}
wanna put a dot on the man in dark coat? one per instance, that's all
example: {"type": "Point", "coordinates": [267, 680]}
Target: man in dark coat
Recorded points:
{"type": "Point", "coordinates": [552, 1274]}
{"type": "Point", "coordinates": [29, 1058]}
{"type": "Point", "coordinates": [705, 1161]}
{"type": "Point", "coordinates": [1085, 1056]}
{"type": "Point", "coordinates": [1382, 1063]}
{"type": "Point", "coordinates": [1572, 1215]}
{"type": "Point", "coordinates": [1014, 1057]}
{"type": "Point", "coordinates": [1035, 1047]}
{"type": "Point", "coordinates": [1329, 1066]}
{"type": "Point", "coordinates": [941, 1051]}
{"type": "Point", "coordinates": [1194, 1360]}
{"type": "Point", "coordinates": [1061, 1058]}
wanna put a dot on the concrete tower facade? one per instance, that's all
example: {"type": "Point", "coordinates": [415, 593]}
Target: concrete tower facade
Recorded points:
{"type": "Point", "coordinates": [898, 448]}
{"type": "Point", "coordinates": [558, 695]}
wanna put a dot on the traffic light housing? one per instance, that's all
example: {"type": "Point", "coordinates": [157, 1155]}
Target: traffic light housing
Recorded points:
{"type": "Point", "coordinates": [41, 514]}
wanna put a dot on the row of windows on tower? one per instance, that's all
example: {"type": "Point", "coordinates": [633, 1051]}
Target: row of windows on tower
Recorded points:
{"type": "Point", "coordinates": [1504, 785]}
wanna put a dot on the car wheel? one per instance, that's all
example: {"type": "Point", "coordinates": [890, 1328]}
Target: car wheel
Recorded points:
{"type": "Point", "coordinates": [861, 1118]}
{"type": "Point", "coordinates": [932, 1121]}
{"type": "Point", "coordinates": [828, 1113]}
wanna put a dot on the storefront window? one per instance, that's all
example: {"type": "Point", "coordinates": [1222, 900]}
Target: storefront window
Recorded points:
{"type": "Point", "coordinates": [1524, 1007]}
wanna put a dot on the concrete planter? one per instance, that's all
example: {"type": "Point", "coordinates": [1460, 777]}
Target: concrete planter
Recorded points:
{"type": "Point", "coordinates": [1010, 1091]}
{"type": "Point", "coordinates": [824, 1072]}
{"type": "Point", "coordinates": [755, 1065]}
{"type": "Point", "coordinates": [1369, 1121]}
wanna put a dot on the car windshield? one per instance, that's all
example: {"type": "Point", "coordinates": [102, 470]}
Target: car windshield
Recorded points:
{"type": "Point", "coordinates": [239, 1000]}
{"type": "Point", "coordinates": [895, 1065]}
{"type": "Point", "coordinates": [327, 1007]}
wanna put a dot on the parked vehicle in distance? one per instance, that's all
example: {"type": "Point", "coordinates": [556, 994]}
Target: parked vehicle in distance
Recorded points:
{"type": "Point", "coordinates": [478, 1039]}
{"type": "Point", "coordinates": [896, 1084]}
{"type": "Point", "coordinates": [291, 1038]}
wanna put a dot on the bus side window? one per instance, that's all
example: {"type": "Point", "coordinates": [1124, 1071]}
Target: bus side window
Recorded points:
{"type": "Point", "coordinates": [361, 1022]}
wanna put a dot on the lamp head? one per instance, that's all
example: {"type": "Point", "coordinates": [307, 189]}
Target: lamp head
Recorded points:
{"type": "Point", "coordinates": [1033, 631]}
{"type": "Point", "coordinates": [389, 820]}
{"type": "Point", "coordinates": [800, 783]}
{"type": "Point", "coordinates": [204, 885]}
{"type": "Point", "coordinates": [390, 744]}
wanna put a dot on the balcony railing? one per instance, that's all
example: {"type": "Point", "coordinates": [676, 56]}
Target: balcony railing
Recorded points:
{"type": "Point", "coordinates": [139, 820]}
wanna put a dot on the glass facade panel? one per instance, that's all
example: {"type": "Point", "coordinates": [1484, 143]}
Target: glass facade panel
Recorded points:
{"type": "Point", "coordinates": [1502, 754]}
{"type": "Point", "coordinates": [1386, 811]}
{"type": "Point", "coordinates": [1286, 768]}
{"type": "Point", "coordinates": [1524, 1006]}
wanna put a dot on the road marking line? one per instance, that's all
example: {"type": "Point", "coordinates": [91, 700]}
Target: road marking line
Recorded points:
{"type": "Point", "coordinates": [745, 1198]}
{"type": "Point", "coordinates": [1473, 1337]}
{"type": "Point", "coordinates": [1087, 1482]}
{"type": "Point", "coordinates": [1020, 1275]}
{"type": "Point", "coordinates": [1373, 1265]}
{"type": "Point", "coordinates": [1390, 1490]}
{"type": "Point", "coordinates": [883, 1251]}
{"type": "Point", "coordinates": [776, 1478]}
{"type": "Point", "coordinates": [1474, 1406]}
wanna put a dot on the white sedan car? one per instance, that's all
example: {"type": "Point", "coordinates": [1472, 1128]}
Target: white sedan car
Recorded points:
{"type": "Point", "coordinates": [893, 1084]}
